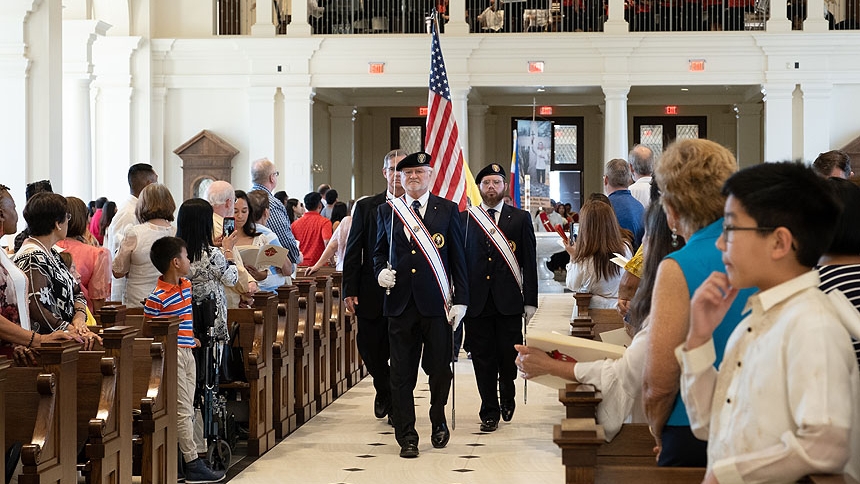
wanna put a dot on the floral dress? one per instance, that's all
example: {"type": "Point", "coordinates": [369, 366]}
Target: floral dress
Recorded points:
{"type": "Point", "coordinates": [52, 289]}
{"type": "Point", "coordinates": [208, 277]}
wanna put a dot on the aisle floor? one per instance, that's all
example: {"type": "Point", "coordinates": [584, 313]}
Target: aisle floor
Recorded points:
{"type": "Point", "coordinates": [345, 443]}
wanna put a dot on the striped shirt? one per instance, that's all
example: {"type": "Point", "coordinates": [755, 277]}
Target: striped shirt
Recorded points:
{"type": "Point", "coordinates": [845, 278]}
{"type": "Point", "coordinates": [173, 300]}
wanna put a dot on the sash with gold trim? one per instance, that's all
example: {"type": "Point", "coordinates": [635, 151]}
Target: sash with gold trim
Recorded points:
{"type": "Point", "coordinates": [488, 225]}
{"type": "Point", "coordinates": [425, 243]}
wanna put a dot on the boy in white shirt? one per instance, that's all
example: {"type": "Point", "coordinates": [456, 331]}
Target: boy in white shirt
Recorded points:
{"type": "Point", "coordinates": [784, 402]}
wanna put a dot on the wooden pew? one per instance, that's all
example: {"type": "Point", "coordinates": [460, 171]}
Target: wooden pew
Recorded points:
{"type": "Point", "coordinates": [337, 333]}
{"type": "Point", "coordinates": [589, 459]}
{"type": "Point", "coordinates": [589, 323]}
{"type": "Point", "coordinates": [154, 391]}
{"type": "Point", "coordinates": [40, 414]}
{"type": "Point", "coordinates": [283, 363]}
{"type": "Point", "coordinates": [306, 406]}
{"type": "Point", "coordinates": [353, 359]}
{"type": "Point", "coordinates": [104, 384]}
{"type": "Point", "coordinates": [257, 327]}
{"type": "Point", "coordinates": [321, 381]}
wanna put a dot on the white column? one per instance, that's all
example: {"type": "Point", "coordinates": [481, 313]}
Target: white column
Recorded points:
{"type": "Point", "coordinates": [298, 140]}
{"type": "Point", "coordinates": [158, 103]}
{"type": "Point", "coordinates": [778, 21]}
{"type": "Point", "coordinates": [460, 105]}
{"type": "Point", "coordinates": [777, 121]}
{"type": "Point", "coordinates": [261, 110]}
{"type": "Point", "coordinates": [43, 32]}
{"type": "Point", "coordinates": [815, 21]}
{"type": "Point", "coordinates": [265, 24]}
{"type": "Point", "coordinates": [299, 26]}
{"type": "Point", "coordinates": [342, 149]}
{"type": "Point", "coordinates": [78, 38]}
{"type": "Point", "coordinates": [816, 119]}
{"type": "Point", "coordinates": [616, 24]}
{"type": "Point", "coordinates": [749, 148]}
{"type": "Point", "coordinates": [113, 86]}
{"type": "Point", "coordinates": [457, 24]}
{"type": "Point", "coordinates": [477, 135]}
{"type": "Point", "coordinates": [14, 67]}
{"type": "Point", "coordinates": [615, 144]}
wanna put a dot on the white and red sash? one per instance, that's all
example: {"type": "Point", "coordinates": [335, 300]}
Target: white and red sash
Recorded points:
{"type": "Point", "coordinates": [422, 238]}
{"type": "Point", "coordinates": [488, 225]}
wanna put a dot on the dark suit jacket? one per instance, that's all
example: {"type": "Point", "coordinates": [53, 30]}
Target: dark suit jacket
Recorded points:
{"type": "Point", "coordinates": [414, 274]}
{"type": "Point", "coordinates": [359, 279]}
{"type": "Point", "coordinates": [488, 271]}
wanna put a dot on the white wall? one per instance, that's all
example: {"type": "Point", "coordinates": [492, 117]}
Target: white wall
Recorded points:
{"type": "Point", "coordinates": [845, 115]}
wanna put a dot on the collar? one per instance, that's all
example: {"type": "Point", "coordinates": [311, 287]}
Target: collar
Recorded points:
{"type": "Point", "coordinates": [218, 217]}
{"type": "Point", "coordinates": [498, 207]}
{"type": "Point", "coordinates": [422, 199]}
{"type": "Point", "coordinates": [644, 179]}
{"type": "Point", "coordinates": [257, 186]}
{"type": "Point", "coordinates": [619, 192]}
{"type": "Point", "coordinates": [764, 301]}
{"type": "Point", "coordinates": [166, 286]}
{"type": "Point", "coordinates": [389, 195]}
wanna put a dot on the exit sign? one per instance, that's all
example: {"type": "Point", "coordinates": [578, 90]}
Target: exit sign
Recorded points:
{"type": "Point", "coordinates": [376, 67]}
{"type": "Point", "coordinates": [535, 67]}
{"type": "Point", "coordinates": [671, 110]}
{"type": "Point", "coordinates": [697, 65]}
{"type": "Point", "coordinates": [545, 111]}
{"type": "Point", "coordinates": [422, 111]}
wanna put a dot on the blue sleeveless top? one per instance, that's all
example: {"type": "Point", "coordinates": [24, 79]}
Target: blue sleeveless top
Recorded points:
{"type": "Point", "coordinates": [698, 259]}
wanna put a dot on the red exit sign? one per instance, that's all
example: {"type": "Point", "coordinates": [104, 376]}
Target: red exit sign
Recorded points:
{"type": "Point", "coordinates": [545, 110]}
{"type": "Point", "coordinates": [671, 110]}
{"type": "Point", "coordinates": [697, 65]}
{"type": "Point", "coordinates": [376, 67]}
{"type": "Point", "coordinates": [422, 111]}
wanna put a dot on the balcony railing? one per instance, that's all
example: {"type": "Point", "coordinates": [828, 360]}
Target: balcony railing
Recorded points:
{"type": "Point", "coordinates": [337, 17]}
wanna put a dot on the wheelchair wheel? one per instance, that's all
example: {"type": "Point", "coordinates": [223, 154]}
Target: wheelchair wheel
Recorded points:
{"type": "Point", "coordinates": [219, 455]}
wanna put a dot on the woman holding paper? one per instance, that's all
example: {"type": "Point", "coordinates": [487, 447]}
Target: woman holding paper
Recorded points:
{"type": "Point", "coordinates": [619, 380]}
{"type": "Point", "coordinates": [591, 268]}
{"type": "Point", "coordinates": [258, 206]}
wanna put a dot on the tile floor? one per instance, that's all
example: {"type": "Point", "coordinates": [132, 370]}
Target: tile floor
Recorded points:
{"type": "Point", "coordinates": [346, 444]}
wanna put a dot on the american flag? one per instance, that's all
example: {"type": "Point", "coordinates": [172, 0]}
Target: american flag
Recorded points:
{"type": "Point", "coordinates": [442, 139]}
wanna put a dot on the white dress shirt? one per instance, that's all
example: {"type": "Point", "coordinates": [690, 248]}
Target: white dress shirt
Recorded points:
{"type": "Point", "coordinates": [422, 200]}
{"type": "Point", "coordinates": [582, 277]}
{"type": "Point", "coordinates": [786, 399]}
{"type": "Point", "coordinates": [641, 190]}
{"type": "Point", "coordinates": [124, 218]}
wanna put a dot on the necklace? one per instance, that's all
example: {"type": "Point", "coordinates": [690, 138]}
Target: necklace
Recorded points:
{"type": "Point", "coordinates": [39, 242]}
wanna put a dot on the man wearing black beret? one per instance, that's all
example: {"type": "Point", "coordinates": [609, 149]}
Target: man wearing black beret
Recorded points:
{"type": "Point", "coordinates": [419, 259]}
{"type": "Point", "coordinates": [502, 269]}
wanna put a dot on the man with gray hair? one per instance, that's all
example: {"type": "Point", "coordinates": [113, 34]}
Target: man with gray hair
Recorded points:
{"type": "Point", "coordinates": [221, 196]}
{"type": "Point", "coordinates": [641, 160]}
{"type": "Point", "coordinates": [629, 212]}
{"type": "Point", "coordinates": [265, 177]}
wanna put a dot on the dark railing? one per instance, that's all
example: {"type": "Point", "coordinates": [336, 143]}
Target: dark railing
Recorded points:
{"type": "Point", "coordinates": [512, 16]}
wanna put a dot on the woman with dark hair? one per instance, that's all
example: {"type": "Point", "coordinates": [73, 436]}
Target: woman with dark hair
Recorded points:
{"type": "Point", "coordinates": [295, 209]}
{"type": "Point", "coordinates": [591, 268]}
{"type": "Point", "coordinates": [93, 263]}
{"type": "Point", "coordinates": [108, 213]}
{"type": "Point", "coordinates": [258, 204]}
{"type": "Point", "coordinates": [620, 381]}
{"type": "Point", "coordinates": [338, 212]}
{"type": "Point", "coordinates": [249, 233]}
{"type": "Point", "coordinates": [95, 221]}
{"type": "Point", "coordinates": [56, 301]}
{"type": "Point", "coordinates": [211, 269]}
{"type": "Point", "coordinates": [15, 327]}
{"type": "Point", "coordinates": [154, 211]}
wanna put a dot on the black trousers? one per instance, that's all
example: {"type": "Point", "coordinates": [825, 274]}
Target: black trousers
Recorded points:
{"type": "Point", "coordinates": [372, 342]}
{"type": "Point", "coordinates": [408, 333]}
{"type": "Point", "coordinates": [681, 448]}
{"type": "Point", "coordinates": [491, 340]}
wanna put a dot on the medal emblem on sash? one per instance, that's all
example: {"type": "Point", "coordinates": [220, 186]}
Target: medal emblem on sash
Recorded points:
{"type": "Point", "coordinates": [512, 245]}
{"type": "Point", "coordinates": [439, 240]}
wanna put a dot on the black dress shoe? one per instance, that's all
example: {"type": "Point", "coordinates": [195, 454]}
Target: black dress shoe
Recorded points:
{"type": "Point", "coordinates": [489, 425]}
{"type": "Point", "coordinates": [381, 406]}
{"type": "Point", "coordinates": [409, 450]}
{"type": "Point", "coordinates": [507, 410]}
{"type": "Point", "coordinates": [439, 437]}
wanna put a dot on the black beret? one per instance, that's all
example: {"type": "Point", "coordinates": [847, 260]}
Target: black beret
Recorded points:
{"type": "Point", "coordinates": [491, 169]}
{"type": "Point", "coordinates": [414, 160]}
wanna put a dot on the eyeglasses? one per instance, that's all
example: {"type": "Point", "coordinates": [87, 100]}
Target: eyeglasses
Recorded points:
{"type": "Point", "coordinates": [277, 173]}
{"type": "Point", "coordinates": [728, 229]}
{"type": "Point", "coordinates": [68, 216]}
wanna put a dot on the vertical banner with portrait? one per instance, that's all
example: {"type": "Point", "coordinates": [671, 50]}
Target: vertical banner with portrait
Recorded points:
{"type": "Point", "coordinates": [534, 148]}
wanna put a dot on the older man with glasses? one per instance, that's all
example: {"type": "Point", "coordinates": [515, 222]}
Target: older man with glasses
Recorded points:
{"type": "Point", "coordinates": [265, 177]}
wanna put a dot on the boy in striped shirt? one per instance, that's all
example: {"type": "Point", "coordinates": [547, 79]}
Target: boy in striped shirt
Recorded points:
{"type": "Point", "coordinates": [172, 297]}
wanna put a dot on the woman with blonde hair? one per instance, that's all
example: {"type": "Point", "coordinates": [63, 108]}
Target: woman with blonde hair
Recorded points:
{"type": "Point", "coordinates": [690, 175]}
{"type": "Point", "coordinates": [590, 268]}
{"type": "Point", "coordinates": [154, 211]}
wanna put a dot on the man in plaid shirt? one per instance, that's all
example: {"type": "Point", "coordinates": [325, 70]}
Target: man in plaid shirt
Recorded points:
{"type": "Point", "coordinates": [265, 177]}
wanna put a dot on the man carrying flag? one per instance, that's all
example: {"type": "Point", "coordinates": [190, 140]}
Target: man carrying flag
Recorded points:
{"type": "Point", "coordinates": [419, 259]}
{"type": "Point", "coordinates": [502, 270]}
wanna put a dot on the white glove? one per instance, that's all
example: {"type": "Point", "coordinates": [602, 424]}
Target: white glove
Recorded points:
{"type": "Point", "coordinates": [530, 312]}
{"type": "Point", "coordinates": [456, 314]}
{"type": "Point", "coordinates": [386, 277]}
